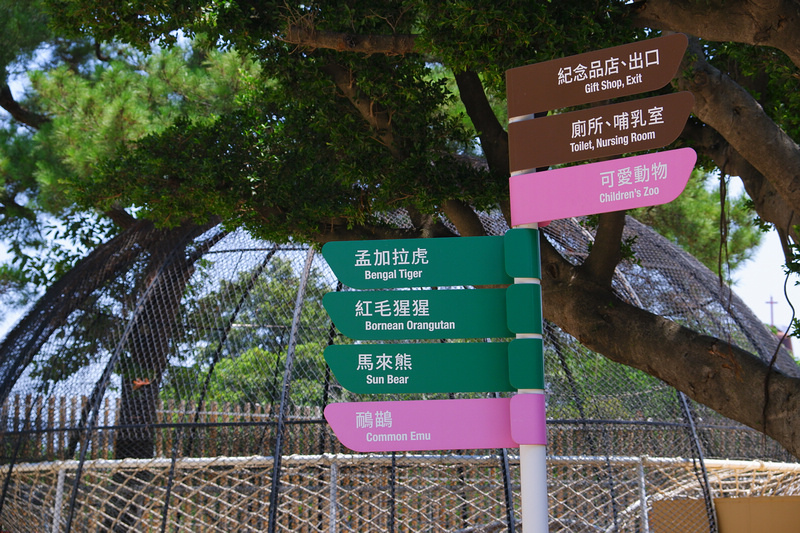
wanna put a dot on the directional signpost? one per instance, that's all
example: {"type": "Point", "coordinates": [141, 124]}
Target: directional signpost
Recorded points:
{"type": "Point", "coordinates": [419, 314]}
{"type": "Point", "coordinates": [436, 367]}
{"type": "Point", "coordinates": [403, 263]}
{"type": "Point", "coordinates": [416, 314]}
{"type": "Point", "coordinates": [598, 187]}
{"type": "Point", "coordinates": [435, 424]}
{"type": "Point", "coordinates": [435, 314]}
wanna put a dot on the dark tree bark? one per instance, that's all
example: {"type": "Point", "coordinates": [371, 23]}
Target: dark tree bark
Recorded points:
{"type": "Point", "coordinates": [773, 23]}
{"type": "Point", "coordinates": [155, 328]}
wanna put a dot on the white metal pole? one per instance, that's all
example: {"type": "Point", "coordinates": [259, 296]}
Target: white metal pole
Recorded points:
{"type": "Point", "coordinates": [533, 486]}
{"type": "Point", "coordinates": [532, 458]}
{"type": "Point", "coordinates": [59, 501]}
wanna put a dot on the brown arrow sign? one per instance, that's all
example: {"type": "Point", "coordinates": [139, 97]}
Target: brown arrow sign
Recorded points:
{"type": "Point", "coordinates": [606, 131]}
{"type": "Point", "coordinates": [594, 76]}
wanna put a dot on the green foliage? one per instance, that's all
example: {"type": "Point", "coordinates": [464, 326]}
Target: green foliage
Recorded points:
{"type": "Point", "coordinates": [19, 190]}
{"type": "Point", "coordinates": [253, 163]}
{"type": "Point", "coordinates": [248, 165]}
{"type": "Point", "coordinates": [51, 201]}
{"type": "Point", "coordinates": [15, 286]}
{"type": "Point", "coordinates": [205, 110]}
{"type": "Point", "coordinates": [246, 363]}
{"type": "Point", "coordinates": [96, 115]}
{"type": "Point", "coordinates": [142, 23]}
{"type": "Point", "coordinates": [768, 75]}
{"type": "Point", "coordinates": [493, 37]}
{"type": "Point", "coordinates": [254, 377]}
{"type": "Point", "coordinates": [23, 27]}
{"type": "Point", "coordinates": [145, 142]}
{"type": "Point", "coordinates": [43, 232]}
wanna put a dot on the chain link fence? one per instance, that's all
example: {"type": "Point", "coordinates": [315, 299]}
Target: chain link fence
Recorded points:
{"type": "Point", "coordinates": [342, 492]}
{"type": "Point", "coordinates": [175, 381]}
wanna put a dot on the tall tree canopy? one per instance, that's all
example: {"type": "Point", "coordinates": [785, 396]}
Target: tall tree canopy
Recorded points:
{"type": "Point", "coordinates": [306, 120]}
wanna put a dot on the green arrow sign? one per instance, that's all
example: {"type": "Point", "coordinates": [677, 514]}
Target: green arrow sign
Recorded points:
{"type": "Point", "coordinates": [432, 314]}
{"type": "Point", "coordinates": [446, 262]}
{"type": "Point", "coordinates": [421, 368]}
{"type": "Point", "coordinates": [392, 264]}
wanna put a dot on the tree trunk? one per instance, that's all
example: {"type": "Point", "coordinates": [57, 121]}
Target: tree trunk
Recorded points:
{"type": "Point", "coordinates": [155, 328]}
{"type": "Point", "coordinates": [732, 381]}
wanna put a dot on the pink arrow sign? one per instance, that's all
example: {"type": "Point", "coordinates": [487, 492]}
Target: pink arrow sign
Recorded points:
{"type": "Point", "coordinates": [628, 183]}
{"type": "Point", "coordinates": [433, 424]}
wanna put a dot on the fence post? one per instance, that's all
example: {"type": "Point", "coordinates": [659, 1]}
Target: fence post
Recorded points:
{"type": "Point", "coordinates": [643, 498]}
{"type": "Point", "coordinates": [59, 501]}
{"type": "Point", "coordinates": [284, 401]}
{"type": "Point", "coordinates": [332, 508]}
{"type": "Point", "coordinates": [50, 423]}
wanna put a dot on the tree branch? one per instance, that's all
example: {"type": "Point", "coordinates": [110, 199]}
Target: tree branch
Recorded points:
{"type": "Point", "coordinates": [724, 105]}
{"type": "Point", "coordinates": [708, 370]}
{"type": "Point", "coordinates": [391, 45]}
{"type": "Point", "coordinates": [773, 23]}
{"type": "Point", "coordinates": [11, 209]}
{"type": "Point", "coordinates": [379, 119]}
{"type": "Point", "coordinates": [464, 218]}
{"type": "Point", "coordinates": [121, 218]}
{"type": "Point", "coordinates": [428, 225]}
{"type": "Point", "coordinates": [606, 251]}
{"type": "Point", "coordinates": [494, 139]}
{"type": "Point", "coordinates": [19, 113]}
{"type": "Point", "coordinates": [99, 53]}
{"type": "Point", "coordinates": [767, 202]}
{"type": "Point", "coordinates": [68, 293]}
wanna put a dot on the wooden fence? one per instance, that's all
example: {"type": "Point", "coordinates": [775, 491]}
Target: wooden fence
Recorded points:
{"type": "Point", "coordinates": [50, 428]}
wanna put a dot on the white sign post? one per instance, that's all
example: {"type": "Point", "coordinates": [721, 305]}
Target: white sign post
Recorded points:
{"type": "Point", "coordinates": [532, 457]}
{"type": "Point", "coordinates": [538, 197]}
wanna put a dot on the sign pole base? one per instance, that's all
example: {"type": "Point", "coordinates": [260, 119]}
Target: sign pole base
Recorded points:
{"type": "Point", "coordinates": [533, 488]}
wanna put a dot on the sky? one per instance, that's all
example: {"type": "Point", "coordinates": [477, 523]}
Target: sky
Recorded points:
{"type": "Point", "coordinates": [8, 320]}
{"type": "Point", "coordinates": [761, 280]}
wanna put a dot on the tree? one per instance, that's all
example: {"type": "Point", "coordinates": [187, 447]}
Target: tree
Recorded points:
{"type": "Point", "coordinates": [243, 363]}
{"type": "Point", "coordinates": [116, 101]}
{"type": "Point", "coordinates": [353, 115]}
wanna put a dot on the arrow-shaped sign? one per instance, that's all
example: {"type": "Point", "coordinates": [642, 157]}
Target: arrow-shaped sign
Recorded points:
{"type": "Point", "coordinates": [439, 424]}
{"type": "Point", "coordinates": [421, 368]}
{"type": "Point", "coordinates": [419, 314]}
{"type": "Point", "coordinates": [398, 263]}
{"type": "Point", "coordinates": [632, 68]}
{"type": "Point", "coordinates": [628, 183]}
{"type": "Point", "coordinates": [605, 131]}
{"type": "Point", "coordinates": [436, 314]}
